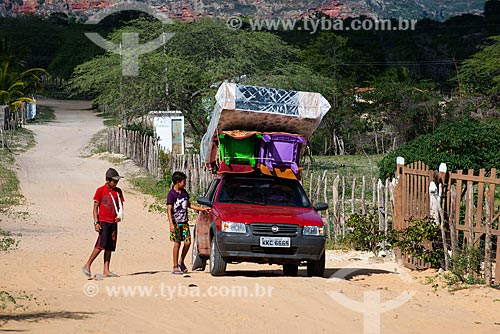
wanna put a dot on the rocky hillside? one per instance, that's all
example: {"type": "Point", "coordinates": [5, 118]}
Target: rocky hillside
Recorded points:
{"type": "Point", "coordinates": [191, 9]}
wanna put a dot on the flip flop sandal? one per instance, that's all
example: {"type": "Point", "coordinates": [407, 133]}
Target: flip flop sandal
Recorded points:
{"type": "Point", "coordinates": [111, 274]}
{"type": "Point", "coordinates": [183, 268]}
{"type": "Point", "coordinates": [86, 273]}
{"type": "Point", "coordinates": [177, 271]}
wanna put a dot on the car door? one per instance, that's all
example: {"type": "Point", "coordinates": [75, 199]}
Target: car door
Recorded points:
{"type": "Point", "coordinates": [203, 222]}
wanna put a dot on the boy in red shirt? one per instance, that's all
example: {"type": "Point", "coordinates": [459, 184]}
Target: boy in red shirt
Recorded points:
{"type": "Point", "coordinates": [107, 200]}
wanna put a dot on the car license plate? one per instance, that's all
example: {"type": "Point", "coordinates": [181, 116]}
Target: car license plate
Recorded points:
{"type": "Point", "coordinates": [274, 242]}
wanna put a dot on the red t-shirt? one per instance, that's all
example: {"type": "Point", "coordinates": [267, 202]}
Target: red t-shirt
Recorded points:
{"type": "Point", "coordinates": [102, 196]}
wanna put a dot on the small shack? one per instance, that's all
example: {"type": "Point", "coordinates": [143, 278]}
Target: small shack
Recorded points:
{"type": "Point", "coordinates": [169, 127]}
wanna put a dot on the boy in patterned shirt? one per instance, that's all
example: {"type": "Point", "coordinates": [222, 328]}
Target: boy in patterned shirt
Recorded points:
{"type": "Point", "coordinates": [177, 205]}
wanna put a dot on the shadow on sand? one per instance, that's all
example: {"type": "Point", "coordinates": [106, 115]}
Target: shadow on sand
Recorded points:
{"type": "Point", "coordinates": [39, 316]}
{"type": "Point", "coordinates": [346, 273]}
{"type": "Point", "coordinates": [150, 272]}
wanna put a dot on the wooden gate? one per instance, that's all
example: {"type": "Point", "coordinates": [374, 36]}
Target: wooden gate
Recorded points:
{"type": "Point", "coordinates": [470, 208]}
{"type": "Point", "coordinates": [411, 201]}
{"type": "Point", "coordinates": [467, 212]}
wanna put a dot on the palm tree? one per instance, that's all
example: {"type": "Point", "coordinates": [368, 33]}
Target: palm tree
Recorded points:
{"type": "Point", "coordinates": [17, 87]}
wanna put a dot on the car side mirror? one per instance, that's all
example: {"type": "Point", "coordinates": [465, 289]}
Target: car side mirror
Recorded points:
{"type": "Point", "coordinates": [320, 206]}
{"type": "Point", "coordinates": [204, 201]}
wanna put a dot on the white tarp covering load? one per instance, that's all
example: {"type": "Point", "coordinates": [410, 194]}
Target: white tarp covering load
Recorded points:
{"type": "Point", "coordinates": [263, 109]}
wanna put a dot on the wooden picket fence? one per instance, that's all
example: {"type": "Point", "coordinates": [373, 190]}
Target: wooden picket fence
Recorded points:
{"type": "Point", "coordinates": [145, 152]}
{"type": "Point", "coordinates": [10, 121]}
{"type": "Point", "coordinates": [142, 149]}
{"type": "Point", "coordinates": [345, 195]}
{"type": "Point", "coordinates": [198, 177]}
{"type": "Point", "coordinates": [465, 208]}
{"type": "Point", "coordinates": [465, 211]}
{"type": "Point", "coordinates": [470, 206]}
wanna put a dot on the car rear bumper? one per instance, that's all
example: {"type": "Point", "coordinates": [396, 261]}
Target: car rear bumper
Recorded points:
{"type": "Point", "coordinates": [246, 248]}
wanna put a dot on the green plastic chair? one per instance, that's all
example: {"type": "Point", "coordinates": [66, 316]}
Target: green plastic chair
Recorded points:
{"type": "Point", "coordinates": [239, 151]}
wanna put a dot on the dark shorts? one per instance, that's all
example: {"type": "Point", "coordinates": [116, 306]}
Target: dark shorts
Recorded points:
{"type": "Point", "coordinates": [181, 233]}
{"type": "Point", "coordinates": [107, 236]}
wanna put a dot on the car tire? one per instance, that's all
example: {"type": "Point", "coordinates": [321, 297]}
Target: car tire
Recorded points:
{"type": "Point", "coordinates": [290, 269]}
{"type": "Point", "coordinates": [316, 268]}
{"type": "Point", "coordinates": [217, 262]}
{"type": "Point", "coordinates": [199, 264]}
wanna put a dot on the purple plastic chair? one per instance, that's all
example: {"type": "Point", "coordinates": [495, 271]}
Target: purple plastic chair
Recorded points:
{"type": "Point", "coordinates": [280, 150]}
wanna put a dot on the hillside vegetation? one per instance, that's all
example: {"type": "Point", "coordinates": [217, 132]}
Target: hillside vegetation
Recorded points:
{"type": "Point", "coordinates": [386, 88]}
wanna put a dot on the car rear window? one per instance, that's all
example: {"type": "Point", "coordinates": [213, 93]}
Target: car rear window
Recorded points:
{"type": "Point", "coordinates": [263, 191]}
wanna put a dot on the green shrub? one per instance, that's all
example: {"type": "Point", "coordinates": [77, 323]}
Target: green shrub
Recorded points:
{"type": "Point", "coordinates": [157, 188]}
{"type": "Point", "coordinates": [7, 242]}
{"type": "Point", "coordinates": [43, 114]}
{"type": "Point", "coordinates": [5, 299]}
{"type": "Point", "coordinates": [164, 161]}
{"type": "Point", "coordinates": [461, 144]}
{"type": "Point", "coordinates": [412, 240]}
{"type": "Point", "coordinates": [364, 233]}
{"type": "Point", "coordinates": [466, 265]}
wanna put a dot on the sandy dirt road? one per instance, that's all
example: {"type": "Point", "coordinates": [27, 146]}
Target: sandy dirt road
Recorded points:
{"type": "Point", "coordinates": [57, 237]}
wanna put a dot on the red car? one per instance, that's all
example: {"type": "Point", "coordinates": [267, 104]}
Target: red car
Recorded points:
{"type": "Point", "coordinates": [261, 219]}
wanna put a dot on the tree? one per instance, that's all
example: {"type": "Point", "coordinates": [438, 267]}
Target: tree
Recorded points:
{"type": "Point", "coordinates": [461, 144]}
{"type": "Point", "coordinates": [492, 11]}
{"type": "Point", "coordinates": [330, 55]}
{"type": "Point", "coordinates": [17, 87]}
{"type": "Point", "coordinates": [480, 74]}
{"type": "Point", "coordinates": [409, 108]}
{"type": "Point", "coordinates": [186, 72]}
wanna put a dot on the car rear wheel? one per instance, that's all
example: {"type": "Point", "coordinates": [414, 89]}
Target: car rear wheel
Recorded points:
{"type": "Point", "coordinates": [316, 268]}
{"type": "Point", "coordinates": [290, 269]}
{"type": "Point", "coordinates": [217, 262]}
{"type": "Point", "coordinates": [199, 263]}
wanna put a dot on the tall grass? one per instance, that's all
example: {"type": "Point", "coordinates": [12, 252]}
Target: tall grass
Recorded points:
{"type": "Point", "coordinates": [348, 168]}
{"type": "Point", "coordinates": [21, 140]}
{"type": "Point", "coordinates": [147, 184]}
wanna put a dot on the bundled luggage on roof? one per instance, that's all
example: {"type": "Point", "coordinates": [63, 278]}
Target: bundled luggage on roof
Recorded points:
{"type": "Point", "coordinates": [261, 128]}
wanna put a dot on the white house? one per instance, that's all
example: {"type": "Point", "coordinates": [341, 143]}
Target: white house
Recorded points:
{"type": "Point", "coordinates": [169, 127]}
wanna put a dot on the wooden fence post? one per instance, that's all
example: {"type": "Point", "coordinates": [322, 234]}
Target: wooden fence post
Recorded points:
{"type": "Point", "coordinates": [327, 218]}
{"type": "Point", "coordinates": [374, 193]}
{"type": "Point", "coordinates": [493, 173]}
{"type": "Point", "coordinates": [381, 213]}
{"type": "Point", "coordinates": [469, 210]}
{"type": "Point", "coordinates": [386, 205]}
{"type": "Point", "coordinates": [335, 198]}
{"type": "Point", "coordinates": [318, 188]}
{"type": "Point", "coordinates": [487, 242]}
{"type": "Point", "coordinates": [353, 196]}
{"type": "Point", "coordinates": [397, 216]}
{"type": "Point", "coordinates": [310, 186]}
{"type": "Point", "coordinates": [342, 206]}
{"type": "Point", "coordinates": [392, 184]}
{"type": "Point", "coordinates": [453, 219]}
{"type": "Point", "coordinates": [441, 180]}
{"type": "Point", "coordinates": [363, 204]}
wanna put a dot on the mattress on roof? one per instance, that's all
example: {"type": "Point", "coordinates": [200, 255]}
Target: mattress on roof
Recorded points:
{"type": "Point", "coordinates": [240, 107]}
